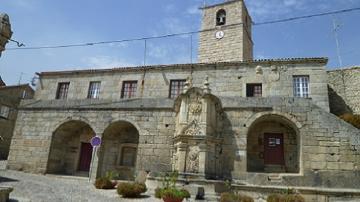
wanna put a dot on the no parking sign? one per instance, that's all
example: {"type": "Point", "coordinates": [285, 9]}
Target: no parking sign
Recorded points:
{"type": "Point", "coordinates": [95, 141]}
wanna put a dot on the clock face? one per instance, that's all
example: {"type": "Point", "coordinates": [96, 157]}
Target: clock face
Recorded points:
{"type": "Point", "coordinates": [219, 34]}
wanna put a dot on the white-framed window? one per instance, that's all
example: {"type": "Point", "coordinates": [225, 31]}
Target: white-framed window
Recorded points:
{"type": "Point", "coordinates": [301, 86]}
{"type": "Point", "coordinates": [94, 90]}
{"type": "Point", "coordinates": [4, 112]}
{"type": "Point", "coordinates": [127, 157]}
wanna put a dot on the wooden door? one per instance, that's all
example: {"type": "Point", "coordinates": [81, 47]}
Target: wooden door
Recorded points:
{"type": "Point", "coordinates": [85, 156]}
{"type": "Point", "coordinates": [274, 149]}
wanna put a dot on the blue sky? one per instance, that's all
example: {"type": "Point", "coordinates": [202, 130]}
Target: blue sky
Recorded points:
{"type": "Point", "coordinates": [44, 22]}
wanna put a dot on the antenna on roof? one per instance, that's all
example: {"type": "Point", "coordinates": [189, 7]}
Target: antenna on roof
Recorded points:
{"type": "Point", "coordinates": [20, 77]}
{"type": "Point", "coordinates": [336, 28]}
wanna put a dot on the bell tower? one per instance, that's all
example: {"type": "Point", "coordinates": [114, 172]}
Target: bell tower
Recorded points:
{"type": "Point", "coordinates": [226, 33]}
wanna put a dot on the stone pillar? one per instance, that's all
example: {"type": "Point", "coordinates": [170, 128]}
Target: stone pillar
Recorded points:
{"type": "Point", "coordinates": [181, 155]}
{"type": "Point", "coordinates": [202, 158]}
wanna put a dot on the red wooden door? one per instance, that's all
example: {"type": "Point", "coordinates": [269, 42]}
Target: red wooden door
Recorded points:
{"type": "Point", "coordinates": [85, 156]}
{"type": "Point", "coordinates": [274, 149]}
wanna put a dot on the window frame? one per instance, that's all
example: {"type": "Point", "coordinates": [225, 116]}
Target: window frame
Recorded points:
{"type": "Point", "coordinates": [94, 93]}
{"type": "Point", "coordinates": [7, 112]}
{"type": "Point", "coordinates": [179, 89]}
{"type": "Point", "coordinates": [133, 94]}
{"type": "Point", "coordinates": [253, 86]}
{"type": "Point", "coordinates": [63, 95]}
{"type": "Point", "coordinates": [120, 161]}
{"type": "Point", "coordinates": [304, 91]}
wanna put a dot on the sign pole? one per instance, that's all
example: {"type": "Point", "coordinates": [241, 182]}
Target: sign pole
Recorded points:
{"type": "Point", "coordinates": [92, 161]}
{"type": "Point", "coordinates": [95, 142]}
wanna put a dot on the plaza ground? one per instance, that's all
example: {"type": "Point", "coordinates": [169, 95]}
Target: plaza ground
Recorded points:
{"type": "Point", "coordinates": [30, 187]}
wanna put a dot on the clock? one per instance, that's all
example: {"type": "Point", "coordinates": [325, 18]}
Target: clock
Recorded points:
{"type": "Point", "coordinates": [219, 34]}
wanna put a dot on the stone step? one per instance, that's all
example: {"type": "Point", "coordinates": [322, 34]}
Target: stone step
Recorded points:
{"type": "Point", "coordinates": [3, 164]}
{"type": "Point", "coordinates": [275, 178]}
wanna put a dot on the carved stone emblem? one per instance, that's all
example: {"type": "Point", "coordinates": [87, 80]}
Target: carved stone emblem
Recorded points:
{"type": "Point", "coordinates": [193, 129]}
{"type": "Point", "coordinates": [196, 106]}
{"type": "Point", "coordinates": [192, 164]}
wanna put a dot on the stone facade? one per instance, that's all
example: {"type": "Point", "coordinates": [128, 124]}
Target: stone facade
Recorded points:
{"type": "Point", "coordinates": [263, 122]}
{"type": "Point", "coordinates": [317, 144]}
{"type": "Point", "coordinates": [344, 90]}
{"type": "Point", "coordinates": [10, 97]}
{"type": "Point", "coordinates": [5, 31]}
{"type": "Point", "coordinates": [231, 41]}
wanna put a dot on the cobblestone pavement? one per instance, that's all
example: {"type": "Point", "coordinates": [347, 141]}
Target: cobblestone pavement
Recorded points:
{"type": "Point", "coordinates": [49, 188]}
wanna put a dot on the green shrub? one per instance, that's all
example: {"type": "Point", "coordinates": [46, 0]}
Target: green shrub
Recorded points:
{"type": "Point", "coordinates": [285, 198]}
{"type": "Point", "coordinates": [172, 192]}
{"type": "Point", "coordinates": [352, 119]}
{"type": "Point", "coordinates": [158, 193]}
{"type": "Point", "coordinates": [235, 197]}
{"type": "Point", "coordinates": [131, 190]}
{"type": "Point", "coordinates": [103, 183]}
{"type": "Point", "coordinates": [169, 189]}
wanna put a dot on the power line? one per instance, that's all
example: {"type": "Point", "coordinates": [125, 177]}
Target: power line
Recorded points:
{"type": "Point", "coordinates": [308, 16]}
{"type": "Point", "coordinates": [185, 33]}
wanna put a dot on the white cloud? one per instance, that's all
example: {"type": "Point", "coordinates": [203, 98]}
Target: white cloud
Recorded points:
{"type": "Point", "coordinates": [102, 61]}
{"type": "Point", "coordinates": [193, 10]}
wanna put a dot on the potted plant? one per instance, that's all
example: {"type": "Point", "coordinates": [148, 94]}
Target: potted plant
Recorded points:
{"type": "Point", "coordinates": [169, 192]}
{"type": "Point", "coordinates": [106, 182]}
{"type": "Point", "coordinates": [131, 190]}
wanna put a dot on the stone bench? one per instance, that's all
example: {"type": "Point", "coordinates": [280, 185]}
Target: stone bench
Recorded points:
{"type": "Point", "coordinates": [4, 193]}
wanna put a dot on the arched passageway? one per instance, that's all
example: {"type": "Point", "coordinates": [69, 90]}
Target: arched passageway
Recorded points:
{"type": "Point", "coordinates": [273, 145]}
{"type": "Point", "coordinates": [119, 150]}
{"type": "Point", "coordinates": [71, 151]}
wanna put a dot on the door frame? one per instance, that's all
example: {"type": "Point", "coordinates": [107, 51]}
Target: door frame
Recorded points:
{"type": "Point", "coordinates": [282, 153]}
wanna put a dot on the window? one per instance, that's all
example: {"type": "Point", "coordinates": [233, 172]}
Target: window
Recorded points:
{"type": "Point", "coordinates": [221, 17]}
{"type": "Point", "coordinates": [128, 156]}
{"type": "Point", "coordinates": [176, 87]}
{"type": "Point", "coordinates": [94, 90]}
{"type": "Point", "coordinates": [254, 90]}
{"type": "Point", "coordinates": [301, 86]}
{"type": "Point", "coordinates": [62, 90]}
{"type": "Point", "coordinates": [4, 112]}
{"type": "Point", "coordinates": [129, 89]}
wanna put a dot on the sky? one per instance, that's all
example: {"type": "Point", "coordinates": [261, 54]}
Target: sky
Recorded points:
{"type": "Point", "coordinates": [46, 23]}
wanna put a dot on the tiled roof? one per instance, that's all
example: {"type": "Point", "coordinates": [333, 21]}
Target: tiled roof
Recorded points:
{"type": "Point", "coordinates": [320, 60]}
{"type": "Point", "coordinates": [344, 68]}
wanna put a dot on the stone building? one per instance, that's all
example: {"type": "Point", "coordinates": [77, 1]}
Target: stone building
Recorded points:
{"type": "Point", "coordinates": [261, 122]}
{"type": "Point", "coordinates": [10, 97]}
{"type": "Point", "coordinates": [344, 87]}
{"type": "Point", "coordinates": [5, 31]}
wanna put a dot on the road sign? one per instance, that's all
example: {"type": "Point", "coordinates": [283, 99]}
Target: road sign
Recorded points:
{"type": "Point", "coordinates": [95, 141]}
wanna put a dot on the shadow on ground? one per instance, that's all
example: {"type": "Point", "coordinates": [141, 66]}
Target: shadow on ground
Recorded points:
{"type": "Point", "coordinates": [5, 179]}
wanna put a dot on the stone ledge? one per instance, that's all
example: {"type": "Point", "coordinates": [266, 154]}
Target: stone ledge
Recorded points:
{"type": "Point", "coordinates": [4, 193]}
{"type": "Point", "coordinates": [302, 190]}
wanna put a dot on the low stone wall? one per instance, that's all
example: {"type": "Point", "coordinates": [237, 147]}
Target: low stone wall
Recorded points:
{"type": "Point", "coordinates": [344, 90]}
{"type": "Point", "coordinates": [260, 193]}
{"type": "Point", "coordinates": [4, 193]}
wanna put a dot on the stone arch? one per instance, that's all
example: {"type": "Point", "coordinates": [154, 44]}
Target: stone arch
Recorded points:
{"type": "Point", "coordinates": [273, 143]}
{"type": "Point", "coordinates": [74, 118]}
{"type": "Point", "coordinates": [220, 17]}
{"type": "Point", "coordinates": [70, 149]}
{"type": "Point", "coordinates": [119, 149]}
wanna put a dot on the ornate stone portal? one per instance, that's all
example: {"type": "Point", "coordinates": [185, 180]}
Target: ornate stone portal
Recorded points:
{"type": "Point", "coordinates": [197, 138]}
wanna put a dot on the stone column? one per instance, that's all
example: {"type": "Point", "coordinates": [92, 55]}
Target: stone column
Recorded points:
{"type": "Point", "coordinates": [202, 158]}
{"type": "Point", "coordinates": [181, 157]}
